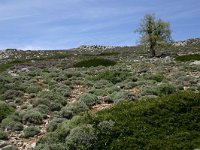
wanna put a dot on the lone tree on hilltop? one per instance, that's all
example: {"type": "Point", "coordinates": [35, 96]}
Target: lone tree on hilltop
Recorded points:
{"type": "Point", "coordinates": [154, 32]}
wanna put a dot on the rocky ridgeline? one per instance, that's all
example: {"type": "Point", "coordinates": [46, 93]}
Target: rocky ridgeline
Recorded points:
{"type": "Point", "coordinates": [14, 54]}
{"type": "Point", "coordinates": [93, 48]}
{"type": "Point", "coordinates": [194, 41]}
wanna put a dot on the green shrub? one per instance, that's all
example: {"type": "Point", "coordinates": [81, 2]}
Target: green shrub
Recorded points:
{"type": "Point", "coordinates": [32, 116]}
{"type": "Point", "coordinates": [95, 62]}
{"type": "Point", "coordinates": [112, 76]}
{"type": "Point", "coordinates": [156, 77]}
{"type": "Point", "coordinates": [42, 109]}
{"type": "Point", "coordinates": [4, 81]}
{"type": "Point", "coordinates": [51, 105]}
{"type": "Point", "coordinates": [169, 122]}
{"type": "Point", "coordinates": [108, 54]}
{"type": "Point", "coordinates": [10, 123]}
{"type": "Point", "coordinates": [121, 96]}
{"type": "Point", "coordinates": [33, 89]}
{"type": "Point", "coordinates": [5, 110]}
{"type": "Point", "coordinates": [81, 137]}
{"type": "Point", "coordinates": [31, 131]}
{"type": "Point", "coordinates": [50, 146]}
{"type": "Point", "coordinates": [53, 124]}
{"type": "Point", "coordinates": [3, 135]}
{"type": "Point", "coordinates": [53, 97]}
{"type": "Point", "coordinates": [99, 84]}
{"type": "Point", "coordinates": [88, 99]}
{"type": "Point", "coordinates": [10, 94]}
{"type": "Point", "coordinates": [49, 138]}
{"type": "Point", "coordinates": [150, 90]}
{"type": "Point", "coordinates": [112, 89]}
{"type": "Point", "coordinates": [165, 89]}
{"type": "Point", "coordinates": [98, 92]}
{"type": "Point", "coordinates": [9, 147]}
{"type": "Point", "coordinates": [106, 127]}
{"type": "Point", "coordinates": [129, 85]}
{"type": "Point", "coordinates": [73, 109]}
{"type": "Point", "coordinates": [188, 57]}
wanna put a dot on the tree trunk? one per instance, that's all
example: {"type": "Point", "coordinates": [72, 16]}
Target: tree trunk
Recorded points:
{"type": "Point", "coordinates": [152, 50]}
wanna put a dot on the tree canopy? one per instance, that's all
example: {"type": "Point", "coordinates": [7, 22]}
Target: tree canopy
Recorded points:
{"type": "Point", "coordinates": [154, 32]}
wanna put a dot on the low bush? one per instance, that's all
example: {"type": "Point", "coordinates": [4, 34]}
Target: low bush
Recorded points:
{"type": "Point", "coordinates": [73, 109]}
{"type": "Point", "coordinates": [88, 99]}
{"type": "Point", "coordinates": [10, 94]}
{"type": "Point", "coordinates": [5, 110]}
{"type": "Point", "coordinates": [53, 97]}
{"type": "Point", "coordinates": [121, 96]}
{"type": "Point", "coordinates": [109, 54]}
{"type": "Point", "coordinates": [49, 138]}
{"type": "Point", "coordinates": [3, 135]}
{"type": "Point", "coordinates": [50, 146]}
{"type": "Point", "coordinates": [9, 147]}
{"type": "Point", "coordinates": [11, 124]}
{"type": "Point", "coordinates": [112, 76]}
{"type": "Point", "coordinates": [150, 91]}
{"type": "Point", "coordinates": [188, 57]}
{"type": "Point", "coordinates": [31, 116]}
{"type": "Point", "coordinates": [101, 84]}
{"type": "Point", "coordinates": [165, 89]}
{"type": "Point", "coordinates": [33, 89]}
{"type": "Point", "coordinates": [112, 89]}
{"type": "Point", "coordinates": [43, 109]}
{"type": "Point", "coordinates": [98, 92]}
{"type": "Point", "coordinates": [156, 77]}
{"type": "Point", "coordinates": [81, 137]}
{"type": "Point", "coordinates": [53, 124]}
{"type": "Point", "coordinates": [169, 122]}
{"type": "Point", "coordinates": [31, 131]}
{"type": "Point", "coordinates": [95, 62]}
{"type": "Point", "coordinates": [106, 126]}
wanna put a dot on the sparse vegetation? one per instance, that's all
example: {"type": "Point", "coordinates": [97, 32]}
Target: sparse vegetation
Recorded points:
{"type": "Point", "coordinates": [66, 103]}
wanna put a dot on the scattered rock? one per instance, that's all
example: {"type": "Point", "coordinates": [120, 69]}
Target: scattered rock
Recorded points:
{"type": "Point", "coordinates": [2, 143]}
{"type": "Point", "coordinates": [195, 63]}
{"type": "Point", "coordinates": [31, 146]}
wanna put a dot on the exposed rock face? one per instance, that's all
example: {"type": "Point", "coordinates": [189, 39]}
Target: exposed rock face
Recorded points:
{"type": "Point", "coordinates": [93, 47]}
{"type": "Point", "coordinates": [180, 43]}
{"type": "Point", "coordinates": [187, 42]}
{"type": "Point", "coordinates": [167, 59]}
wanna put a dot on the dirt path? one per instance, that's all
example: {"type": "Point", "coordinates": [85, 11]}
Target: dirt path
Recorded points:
{"type": "Point", "coordinates": [76, 92]}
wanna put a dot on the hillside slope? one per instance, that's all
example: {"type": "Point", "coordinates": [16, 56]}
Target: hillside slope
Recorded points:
{"type": "Point", "coordinates": [168, 123]}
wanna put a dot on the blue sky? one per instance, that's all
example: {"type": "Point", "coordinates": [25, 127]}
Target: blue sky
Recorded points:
{"type": "Point", "coordinates": [62, 24]}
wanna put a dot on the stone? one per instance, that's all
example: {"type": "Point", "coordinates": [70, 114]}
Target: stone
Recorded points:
{"type": "Point", "coordinates": [31, 146]}
{"type": "Point", "coordinates": [167, 59]}
{"type": "Point", "coordinates": [195, 63]}
{"type": "Point", "coordinates": [2, 143]}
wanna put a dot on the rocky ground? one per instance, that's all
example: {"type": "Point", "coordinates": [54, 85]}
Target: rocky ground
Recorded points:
{"type": "Point", "coordinates": [55, 91]}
